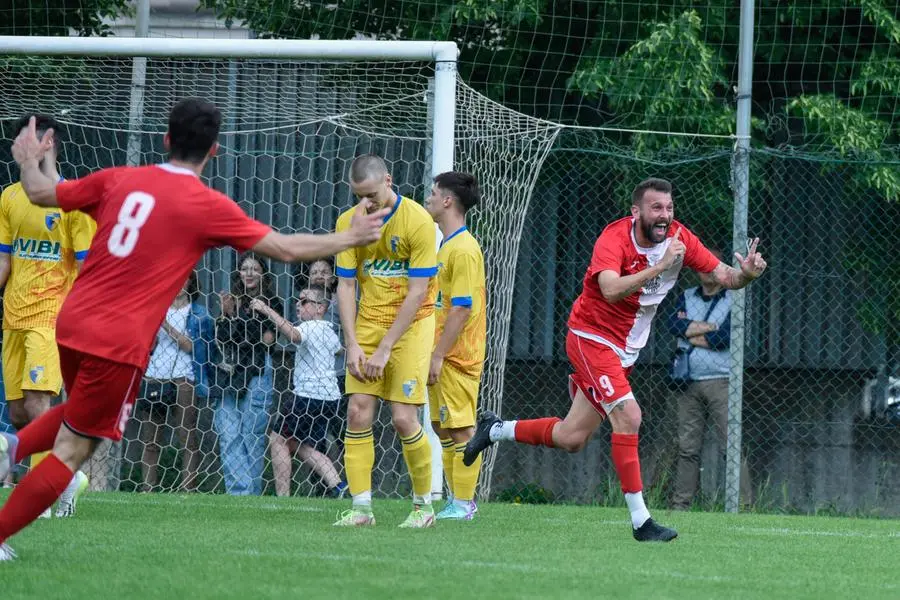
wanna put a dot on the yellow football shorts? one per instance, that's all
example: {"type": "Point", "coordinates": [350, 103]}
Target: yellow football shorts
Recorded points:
{"type": "Point", "coordinates": [30, 361]}
{"type": "Point", "coordinates": [453, 400]}
{"type": "Point", "coordinates": [406, 372]}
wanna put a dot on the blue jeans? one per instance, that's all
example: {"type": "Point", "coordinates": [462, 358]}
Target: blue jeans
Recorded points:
{"type": "Point", "coordinates": [242, 425]}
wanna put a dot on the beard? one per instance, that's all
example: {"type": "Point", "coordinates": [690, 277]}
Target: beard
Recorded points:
{"type": "Point", "coordinates": [654, 231]}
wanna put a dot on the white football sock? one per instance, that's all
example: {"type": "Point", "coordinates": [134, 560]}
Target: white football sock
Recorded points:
{"type": "Point", "coordinates": [363, 500]}
{"type": "Point", "coordinates": [639, 512]}
{"type": "Point", "coordinates": [503, 431]}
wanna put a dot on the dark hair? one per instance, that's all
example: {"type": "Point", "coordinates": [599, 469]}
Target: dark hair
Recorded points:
{"type": "Point", "coordinates": [366, 167]}
{"type": "Point", "coordinates": [301, 274]}
{"type": "Point", "coordinates": [654, 183]}
{"type": "Point", "coordinates": [266, 286]}
{"type": "Point", "coordinates": [193, 129]}
{"type": "Point", "coordinates": [42, 123]}
{"type": "Point", "coordinates": [463, 186]}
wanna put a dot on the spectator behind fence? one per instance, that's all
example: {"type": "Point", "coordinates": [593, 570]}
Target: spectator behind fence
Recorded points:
{"type": "Point", "coordinates": [321, 274]}
{"type": "Point", "coordinates": [244, 377]}
{"type": "Point", "coordinates": [175, 376]}
{"type": "Point", "coordinates": [701, 322]}
{"type": "Point", "coordinates": [301, 426]}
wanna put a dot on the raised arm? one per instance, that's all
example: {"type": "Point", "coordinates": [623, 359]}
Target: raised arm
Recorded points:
{"type": "Point", "coordinates": [285, 327]}
{"type": "Point", "coordinates": [616, 287]}
{"type": "Point", "coordinates": [364, 229]}
{"type": "Point", "coordinates": [752, 266]}
{"type": "Point", "coordinates": [28, 151]}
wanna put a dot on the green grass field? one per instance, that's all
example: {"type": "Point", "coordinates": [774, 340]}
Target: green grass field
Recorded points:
{"type": "Point", "coordinates": [165, 546]}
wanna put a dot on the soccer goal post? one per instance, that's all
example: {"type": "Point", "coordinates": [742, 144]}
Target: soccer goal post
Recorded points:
{"type": "Point", "coordinates": [296, 113]}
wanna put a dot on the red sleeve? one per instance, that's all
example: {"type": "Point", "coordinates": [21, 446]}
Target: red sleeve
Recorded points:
{"type": "Point", "coordinates": [608, 253]}
{"type": "Point", "coordinates": [696, 255]}
{"type": "Point", "coordinates": [84, 194]}
{"type": "Point", "coordinates": [228, 225]}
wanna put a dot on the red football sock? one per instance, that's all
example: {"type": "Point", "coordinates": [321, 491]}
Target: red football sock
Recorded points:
{"type": "Point", "coordinates": [625, 458]}
{"type": "Point", "coordinates": [37, 491]}
{"type": "Point", "coordinates": [40, 434]}
{"type": "Point", "coordinates": [537, 432]}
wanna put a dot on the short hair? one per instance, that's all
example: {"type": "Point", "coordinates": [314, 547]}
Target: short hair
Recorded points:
{"type": "Point", "coordinates": [42, 123]}
{"type": "Point", "coordinates": [366, 167]}
{"type": "Point", "coordinates": [463, 186]}
{"type": "Point", "coordinates": [193, 128]}
{"type": "Point", "coordinates": [653, 183]}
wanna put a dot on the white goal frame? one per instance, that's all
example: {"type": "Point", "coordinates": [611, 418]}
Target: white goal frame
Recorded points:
{"type": "Point", "coordinates": [444, 55]}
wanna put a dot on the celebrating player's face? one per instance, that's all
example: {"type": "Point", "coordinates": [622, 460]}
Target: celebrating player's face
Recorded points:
{"type": "Point", "coordinates": [655, 214]}
{"type": "Point", "coordinates": [376, 190]}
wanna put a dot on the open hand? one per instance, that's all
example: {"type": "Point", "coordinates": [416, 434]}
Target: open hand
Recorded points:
{"type": "Point", "coordinates": [259, 306]}
{"type": "Point", "coordinates": [365, 227]}
{"type": "Point", "coordinates": [228, 302]}
{"type": "Point", "coordinates": [27, 146]}
{"type": "Point", "coordinates": [753, 265]}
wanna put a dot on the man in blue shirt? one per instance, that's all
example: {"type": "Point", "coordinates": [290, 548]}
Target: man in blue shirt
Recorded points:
{"type": "Point", "coordinates": [701, 323]}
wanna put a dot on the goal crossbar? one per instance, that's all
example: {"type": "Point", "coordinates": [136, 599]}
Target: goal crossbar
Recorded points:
{"type": "Point", "coordinates": [442, 54]}
{"type": "Point", "coordinates": [230, 48]}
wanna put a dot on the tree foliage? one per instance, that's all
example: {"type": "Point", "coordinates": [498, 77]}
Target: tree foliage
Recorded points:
{"type": "Point", "coordinates": [59, 17]}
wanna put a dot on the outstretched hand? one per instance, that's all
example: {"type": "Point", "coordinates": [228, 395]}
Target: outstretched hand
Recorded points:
{"type": "Point", "coordinates": [753, 265]}
{"type": "Point", "coordinates": [27, 146]}
{"type": "Point", "coordinates": [365, 227]}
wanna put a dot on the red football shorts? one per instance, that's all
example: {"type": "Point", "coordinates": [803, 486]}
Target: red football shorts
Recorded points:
{"type": "Point", "coordinates": [101, 393]}
{"type": "Point", "coordinates": [599, 373]}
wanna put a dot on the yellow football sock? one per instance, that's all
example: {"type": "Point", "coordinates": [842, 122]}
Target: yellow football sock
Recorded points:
{"type": "Point", "coordinates": [417, 453]}
{"type": "Point", "coordinates": [37, 457]}
{"type": "Point", "coordinates": [359, 460]}
{"type": "Point", "coordinates": [448, 456]}
{"type": "Point", "coordinates": [464, 478]}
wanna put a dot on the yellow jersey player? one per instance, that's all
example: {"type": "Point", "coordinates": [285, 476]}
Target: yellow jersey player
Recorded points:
{"type": "Point", "coordinates": [456, 363]}
{"type": "Point", "coordinates": [389, 340]}
{"type": "Point", "coordinates": [41, 250]}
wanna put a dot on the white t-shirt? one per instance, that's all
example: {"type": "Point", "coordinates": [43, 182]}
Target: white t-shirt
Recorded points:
{"type": "Point", "coordinates": [314, 375]}
{"type": "Point", "coordinates": [168, 361]}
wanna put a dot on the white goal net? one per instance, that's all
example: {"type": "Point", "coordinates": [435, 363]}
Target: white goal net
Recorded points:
{"type": "Point", "coordinates": [291, 128]}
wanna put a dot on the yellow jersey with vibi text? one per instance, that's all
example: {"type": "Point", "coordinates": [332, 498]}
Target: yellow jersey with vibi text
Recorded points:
{"type": "Point", "coordinates": [461, 282]}
{"type": "Point", "coordinates": [406, 249]}
{"type": "Point", "coordinates": [43, 245]}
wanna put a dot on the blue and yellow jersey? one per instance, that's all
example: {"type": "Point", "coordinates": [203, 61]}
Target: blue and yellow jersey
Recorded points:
{"type": "Point", "coordinates": [406, 249]}
{"type": "Point", "coordinates": [43, 245]}
{"type": "Point", "coordinates": [461, 282]}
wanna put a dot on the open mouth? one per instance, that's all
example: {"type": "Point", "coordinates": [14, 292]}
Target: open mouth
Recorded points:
{"type": "Point", "coordinates": [661, 229]}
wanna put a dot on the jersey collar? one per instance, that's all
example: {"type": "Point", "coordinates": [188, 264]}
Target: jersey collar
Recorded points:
{"type": "Point", "coordinates": [453, 235]}
{"type": "Point", "coordinates": [396, 206]}
{"type": "Point", "coordinates": [176, 170]}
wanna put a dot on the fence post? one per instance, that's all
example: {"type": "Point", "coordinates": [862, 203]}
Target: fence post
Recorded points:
{"type": "Point", "coordinates": [741, 185]}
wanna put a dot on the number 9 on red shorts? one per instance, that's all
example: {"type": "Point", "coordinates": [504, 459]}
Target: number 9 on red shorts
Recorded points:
{"type": "Point", "coordinates": [599, 373]}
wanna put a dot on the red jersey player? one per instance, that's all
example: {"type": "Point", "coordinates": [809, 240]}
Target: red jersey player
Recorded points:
{"type": "Point", "coordinates": [635, 263]}
{"type": "Point", "coordinates": [153, 224]}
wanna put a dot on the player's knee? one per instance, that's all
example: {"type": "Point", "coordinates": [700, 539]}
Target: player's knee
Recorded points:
{"type": "Point", "coordinates": [461, 435]}
{"type": "Point", "coordinates": [405, 423]}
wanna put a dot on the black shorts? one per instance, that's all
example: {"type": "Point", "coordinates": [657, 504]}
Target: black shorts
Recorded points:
{"type": "Point", "coordinates": [156, 397]}
{"type": "Point", "coordinates": [306, 420]}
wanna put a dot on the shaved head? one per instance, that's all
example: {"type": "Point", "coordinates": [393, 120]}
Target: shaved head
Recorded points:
{"type": "Point", "coordinates": [367, 167]}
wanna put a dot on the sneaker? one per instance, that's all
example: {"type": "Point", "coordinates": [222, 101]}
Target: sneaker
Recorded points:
{"type": "Point", "coordinates": [6, 552]}
{"type": "Point", "coordinates": [482, 438]}
{"type": "Point", "coordinates": [355, 518]}
{"type": "Point", "coordinates": [47, 514]}
{"type": "Point", "coordinates": [420, 518]}
{"type": "Point", "coordinates": [455, 512]}
{"type": "Point", "coordinates": [69, 498]}
{"type": "Point", "coordinates": [8, 443]}
{"type": "Point", "coordinates": [338, 491]}
{"type": "Point", "coordinates": [650, 531]}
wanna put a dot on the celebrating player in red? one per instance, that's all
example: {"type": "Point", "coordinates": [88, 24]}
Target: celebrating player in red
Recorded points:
{"type": "Point", "coordinates": [635, 263]}
{"type": "Point", "coordinates": [153, 224]}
